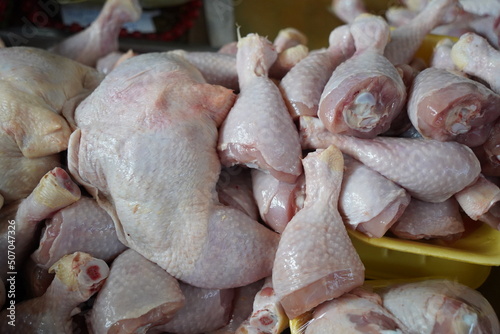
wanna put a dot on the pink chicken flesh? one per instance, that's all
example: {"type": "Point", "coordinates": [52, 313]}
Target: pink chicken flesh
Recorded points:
{"type": "Point", "coordinates": [366, 92]}
{"type": "Point", "coordinates": [444, 105]}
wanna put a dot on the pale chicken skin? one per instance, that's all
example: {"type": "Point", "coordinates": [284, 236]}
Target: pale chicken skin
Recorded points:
{"type": "Point", "coordinates": [407, 38]}
{"type": "Point", "coordinates": [101, 37]}
{"type": "Point", "coordinates": [204, 310]}
{"type": "Point", "coordinates": [368, 201]}
{"type": "Point", "coordinates": [277, 201]}
{"type": "Point", "coordinates": [82, 226]}
{"type": "Point", "coordinates": [366, 92]}
{"type": "Point", "coordinates": [187, 231]}
{"type": "Point", "coordinates": [425, 220]}
{"type": "Point", "coordinates": [440, 306]}
{"type": "Point", "coordinates": [430, 170]}
{"type": "Point", "coordinates": [358, 311]}
{"type": "Point", "coordinates": [481, 201]}
{"type": "Point", "coordinates": [242, 307]}
{"type": "Point", "coordinates": [258, 131]}
{"type": "Point", "coordinates": [134, 280]}
{"type": "Point", "coordinates": [316, 260]}
{"type": "Point", "coordinates": [37, 88]}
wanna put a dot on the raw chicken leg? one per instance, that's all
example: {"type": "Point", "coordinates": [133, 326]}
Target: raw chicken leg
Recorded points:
{"type": "Point", "coordinates": [268, 316]}
{"type": "Point", "coordinates": [365, 93]}
{"type": "Point", "coordinates": [146, 148]}
{"type": "Point", "coordinates": [82, 226]}
{"type": "Point", "coordinates": [316, 260]}
{"type": "Point", "coordinates": [441, 55]}
{"type": "Point", "coordinates": [425, 220]}
{"type": "Point", "coordinates": [137, 295]}
{"type": "Point", "coordinates": [54, 191]}
{"type": "Point", "coordinates": [356, 312]}
{"type": "Point", "coordinates": [481, 201]}
{"type": "Point", "coordinates": [288, 38]}
{"type": "Point", "coordinates": [277, 201]}
{"type": "Point", "coordinates": [204, 310]}
{"type": "Point", "coordinates": [78, 277]}
{"type": "Point", "coordinates": [348, 10]}
{"type": "Point", "coordinates": [36, 87]}
{"type": "Point", "coordinates": [368, 201]}
{"type": "Point", "coordinates": [475, 56]}
{"type": "Point", "coordinates": [440, 306]}
{"type": "Point", "coordinates": [406, 39]}
{"type": "Point", "coordinates": [429, 170]}
{"type": "Point", "coordinates": [101, 37]}
{"type": "Point", "coordinates": [259, 131]}
{"type": "Point", "coordinates": [444, 105]}
{"type": "Point", "coordinates": [303, 84]}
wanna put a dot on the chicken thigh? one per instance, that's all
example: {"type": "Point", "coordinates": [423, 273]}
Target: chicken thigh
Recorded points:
{"type": "Point", "coordinates": [146, 149]}
{"type": "Point", "coordinates": [101, 37]}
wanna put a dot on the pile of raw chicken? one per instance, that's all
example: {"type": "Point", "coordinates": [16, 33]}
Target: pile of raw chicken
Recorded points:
{"type": "Point", "coordinates": [211, 192]}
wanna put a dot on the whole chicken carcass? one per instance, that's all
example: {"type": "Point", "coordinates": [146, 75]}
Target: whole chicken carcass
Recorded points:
{"type": "Point", "coordinates": [316, 260]}
{"type": "Point", "coordinates": [37, 88]}
{"type": "Point", "coordinates": [366, 92]}
{"type": "Point", "coordinates": [146, 149]}
{"type": "Point", "coordinates": [429, 170]}
{"type": "Point", "coordinates": [101, 37]}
